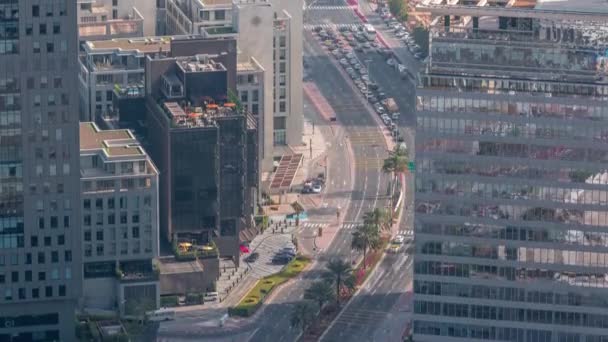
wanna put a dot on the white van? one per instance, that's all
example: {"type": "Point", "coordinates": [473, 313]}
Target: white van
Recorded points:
{"type": "Point", "coordinates": [164, 314]}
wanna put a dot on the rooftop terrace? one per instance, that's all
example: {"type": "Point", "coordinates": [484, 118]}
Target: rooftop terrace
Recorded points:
{"type": "Point", "coordinates": [203, 116]}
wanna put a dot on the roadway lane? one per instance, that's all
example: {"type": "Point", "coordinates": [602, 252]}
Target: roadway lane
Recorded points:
{"type": "Point", "coordinates": [368, 149]}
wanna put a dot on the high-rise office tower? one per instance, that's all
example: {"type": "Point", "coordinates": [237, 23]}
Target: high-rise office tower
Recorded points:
{"type": "Point", "coordinates": [511, 183]}
{"type": "Point", "coordinates": [40, 253]}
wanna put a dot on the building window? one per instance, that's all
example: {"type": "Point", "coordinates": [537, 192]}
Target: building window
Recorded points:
{"type": "Point", "coordinates": [67, 256]}
{"type": "Point", "coordinates": [114, 14]}
{"type": "Point", "coordinates": [42, 29]}
{"type": "Point", "coordinates": [87, 235]}
{"type": "Point", "coordinates": [48, 291]}
{"type": "Point", "coordinates": [282, 107]}
{"type": "Point", "coordinates": [254, 109]}
{"type": "Point", "coordinates": [204, 15]}
{"type": "Point", "coordinates": [220, 15]}
{"type": "Point", "coordinates": [47, 241]}
{"type": "Point", "coordinates": [61, 290]}
{"type": "Point", "coordinates": [279, 138]}
{"type": "Point", "coordinates": [56, 28]}
{"type": "Point", "coordinates": [255, 95]}
{"type": "Point", "coordinates": [244, 96]}
{"type": "Point", "coordinates": [35, 11]}
{"type": "Point", "coordinates": [99, 235]}
{"type": "Point", "coordinates": [35, 293]}
{"type": "Point", "coordinates": [36, 47]}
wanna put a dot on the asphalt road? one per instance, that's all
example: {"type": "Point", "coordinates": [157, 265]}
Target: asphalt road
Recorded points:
{"type": "Point", "coordinates": [379, 311]}
{"type": "Point", "coordinates": [368, 149]}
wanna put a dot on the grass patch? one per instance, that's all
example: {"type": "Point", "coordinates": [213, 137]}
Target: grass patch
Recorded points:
{"type": "Point", "coordinates": [255, 297]}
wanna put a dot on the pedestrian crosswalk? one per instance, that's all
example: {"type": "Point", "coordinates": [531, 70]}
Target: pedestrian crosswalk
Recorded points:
{"type": "Point", "coordinates": [406, 232]}
{"type": "Point", "coordinates": [317, 225]}
{"type": "Point", "coordinates": [327, 26]}
{"type": "Point", "coordinates": [348, 226]}
{"type": "Point", "coordinates": [328, 8]}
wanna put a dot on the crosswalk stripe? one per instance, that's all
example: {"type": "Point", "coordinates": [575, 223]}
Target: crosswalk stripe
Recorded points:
{"type": "Point", "coordinates": [328, 26]}
{"type": "Point", "coordinates": [324, 8]}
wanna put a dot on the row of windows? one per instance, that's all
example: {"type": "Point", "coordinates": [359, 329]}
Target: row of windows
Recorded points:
{"type": "Point", "coordinates": [511, 150]}
{"type": "Point", "coordinates": [551, 256]}
{"type": "Point", "coordinates": [122, 233]}
{"type": "Point", "coordinates": [28, 276]}
{"type": "Point", "coordinates": [540, 109]}
{"type": "Point", "coordinates": [497, 128]}
{"type": "Point", "coordinates": [53, 222]}
{"type": "Point", "coordinates": [522, 275]}
{"type": "Point", "coordinates": [123, 218]}
{"type": "Point", "coordinates": [500, 334]}
{"type": "Point", "coordinates": [123, 203]}
{"type": "Point", "coordinates": [20, 294]}
{"type": "Point", "coordinates": [565, 237]}
{"type": "Point", "coordinates": [100, 248]}
{"type": "Point", "coordinates": [484, 312]}
{"type": "Point", "coordinates": [511, 212]}
{"type": "Point", "coordinates": [509, 168]}
{"type": "Point", "coordinates": [43, 29]}
{"type": "Point", "coordinates": [511, 294]}
{"type": "Point", "coordinates": [41, 257]}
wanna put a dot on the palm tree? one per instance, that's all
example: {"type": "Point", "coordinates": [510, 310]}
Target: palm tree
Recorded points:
{"type": "Point", "coordinates": [337, 271]}
{"type": "Point", "coordinates": [365, 237]}
{"type": "Point", "coordinates": [321, 292]}
{"type": "Point", "coordinates": [303, 314]}
{"type": "Point", "coordinates": [378, 218]}
{"type": "Point", "coordinates": [396, 163]}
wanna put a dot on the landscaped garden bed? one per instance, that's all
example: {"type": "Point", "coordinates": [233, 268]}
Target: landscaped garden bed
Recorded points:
{"type": "Point", "coordinates": [255, 297]}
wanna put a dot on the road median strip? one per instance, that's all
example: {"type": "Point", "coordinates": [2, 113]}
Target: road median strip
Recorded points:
{"type": "Point", "coordinates": [254, 299]}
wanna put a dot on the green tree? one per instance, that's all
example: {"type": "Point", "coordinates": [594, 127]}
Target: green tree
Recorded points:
{"type": "Point", "coordinates": [303, 314]}
{"type": "Point", "coordinates": [365, 237]}
{"type": "Point", "coordinates": [395, 165]}
{"type": "Point", "coordinates": [378, 218]}
{"type": "Point", "coordinates": [398, 8]}
{"type": "Point", "coordinates": [337, 270]}
{"type": "Point", "coordinates": [321, 292]}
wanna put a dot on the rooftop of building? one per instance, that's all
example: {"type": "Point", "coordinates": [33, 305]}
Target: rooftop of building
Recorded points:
{"type": "Point", "coordinates": [200, 116]}
{"type": "Point", "coordinates": [142, 45]}
{"type": "Point", "coordinates": [592, 6]}
{"type": "Point", "coordinates": [216, 2]}
{"type": "Point", "coordinates": [248, 66]}
{"type": "Point", "coordinates": [550, 9]}
{"type": "Point", "coordinates": [114, 143]}
{"type": "Point", "coordinates": [199, 63]}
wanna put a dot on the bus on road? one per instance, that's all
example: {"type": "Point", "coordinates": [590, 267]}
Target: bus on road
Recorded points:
{"type": "Point", "coordinates": [369, 31]}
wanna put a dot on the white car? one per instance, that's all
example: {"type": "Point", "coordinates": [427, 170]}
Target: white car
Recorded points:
{"type": "Point", "coordinates": [399, 239]}
{"type": "Point", "coordinates": [316, 188]}
{"type": "Point", "coordinates": [391, 61]}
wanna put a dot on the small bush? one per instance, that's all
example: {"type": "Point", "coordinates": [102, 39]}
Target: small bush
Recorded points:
{"type": "Point", "coordinates": [169, 301]}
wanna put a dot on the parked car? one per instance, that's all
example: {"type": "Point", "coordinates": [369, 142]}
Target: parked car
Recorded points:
{"type": "Point", "coordinates": [391, 61]}
{"type": "Point", "coordinates": [281, 259]}
{"type": "Point", "coordinates": [288, 251]}
{"type": "Point", "coordinates": [343, 61]}
{"type": "Point", "coordinates": [317, 188]}
{"type": "Point", "coordinates": [252, 257]}
{"type": "Point", "coordinates": [395, 116]}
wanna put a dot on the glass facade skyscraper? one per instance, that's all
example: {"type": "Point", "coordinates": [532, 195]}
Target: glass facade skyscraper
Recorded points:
{"type": "Point", "coordinates": [40, 253]}
{"type": "Point", "coordinates": [511, 207]}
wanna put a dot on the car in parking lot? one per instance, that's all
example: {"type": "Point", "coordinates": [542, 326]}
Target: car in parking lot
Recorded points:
{"type": "Point", "coordinates": [395, 116]}
{"type": "Point", "coordinates": [344, 61]}
{"type": "Point", "coordinates": [357, 66]}
{"type": "Point", "coordinates": [373, 85]}
{"type": "Point", "coordinates": [379, 109]}
{"type": "Point", "coordinates": [372, 99]}
{"type": "Point", "coordinates": [391, 61]}
{"type": "Point", "coordinates": [363, 71]}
